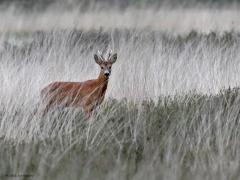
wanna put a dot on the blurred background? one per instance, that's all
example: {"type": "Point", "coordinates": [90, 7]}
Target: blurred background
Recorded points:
{"type": "Point", "coordinates": [123, 4]}
{"type": "Point", "coordinates": [171, 16]}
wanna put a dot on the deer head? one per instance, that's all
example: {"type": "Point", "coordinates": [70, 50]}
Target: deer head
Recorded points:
{"type": "Point", "coordinates": [105, 62]}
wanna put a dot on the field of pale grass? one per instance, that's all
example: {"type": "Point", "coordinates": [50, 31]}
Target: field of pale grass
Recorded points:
{"type": "Point", "coordinates": [172, 105]}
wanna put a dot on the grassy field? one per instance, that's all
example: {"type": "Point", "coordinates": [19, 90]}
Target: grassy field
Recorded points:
{"type": "Point", "coordinates": [180, 137]}
{"type": "Point", "coordinates": [172, 105]}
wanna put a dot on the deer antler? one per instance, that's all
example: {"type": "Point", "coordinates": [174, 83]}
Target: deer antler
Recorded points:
{"type": "Point", "coordinates": [109, 53]}
{"type": "Point", "coordinates": [100, 55]}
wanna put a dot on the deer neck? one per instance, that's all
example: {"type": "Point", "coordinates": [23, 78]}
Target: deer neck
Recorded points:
{"type": "Point", "coordinates": [102, 79]}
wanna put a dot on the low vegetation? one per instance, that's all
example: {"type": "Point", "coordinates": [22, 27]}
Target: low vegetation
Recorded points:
{"type": "Point", "coordinates": [194, 136]}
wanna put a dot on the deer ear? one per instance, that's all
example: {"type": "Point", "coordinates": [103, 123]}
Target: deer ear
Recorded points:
{"type": "Point", "coordinates": [113, 58]}
{"type": "Point", "coordinates": [97, 59]}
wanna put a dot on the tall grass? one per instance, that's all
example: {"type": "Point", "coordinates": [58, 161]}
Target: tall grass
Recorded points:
{"type": "Point", "coordinates": [168, 114]}
{"type": "Point", "coordinates": [188, 137]}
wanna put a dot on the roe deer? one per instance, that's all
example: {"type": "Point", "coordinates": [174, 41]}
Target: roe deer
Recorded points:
{"type": "Point", "coordinates": [88, 94]}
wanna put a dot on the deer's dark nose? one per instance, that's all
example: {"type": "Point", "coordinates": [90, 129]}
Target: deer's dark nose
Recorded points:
{"type": "Point", "coordinates": [106, 74]}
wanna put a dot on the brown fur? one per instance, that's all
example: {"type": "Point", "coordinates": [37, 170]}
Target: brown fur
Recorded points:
{"type": "Point", "coordinates": [88, 94]}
